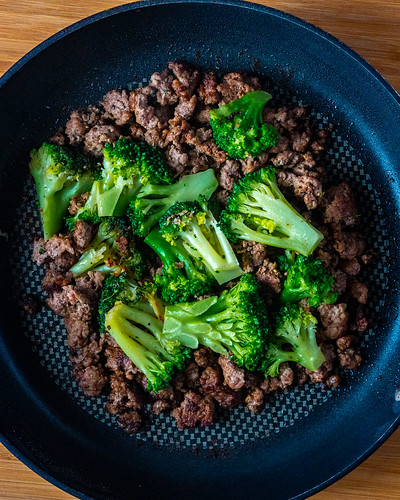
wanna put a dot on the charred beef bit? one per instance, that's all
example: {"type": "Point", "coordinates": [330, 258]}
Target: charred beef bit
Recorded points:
{"type": "Point", "coordinates": [130, 422]}
{"type": "Point", "coordinates": [116, 106]}
{"type": "Point", "coordinates": [80, 122]}
{"type": "Point", "coordinates": [325, 370]}
{"type": "Point", "coordinates": [162, 83]}
{"type": "Point", "coordinates": [211, 384]}
{"type": "Point", "coordinates": [235, 85]}
{"type": "Point", "coordinates": [269, 276]}
{"type": "Point", "coordinates": [194, 410]}
{"type": "Point", "coordinates": [98, 137]}
{"type": "Point", "coordinates": [334, 319]}
{"type": "Point", "coordinates": [31, 304]}
{"type": "Point", "coordinates": [359, 291]}
{"type": "Point", "coordinates": [340, 205]}
{"type": "Point", "coordinates": [82, 235]}
{"type": "Point", "coordinates": [203, 115]}
{"type": "Point", "coordinates": [58, 252]}
{"type": "Point", "coordinates": [350, 359]}
{"type": "Point", "coordinates": [282, 381]}
{"type": "Point", "coordinates": [255, 400]}
{"type": "Point", "coordinates": [229, 174]}
{"type": "Point", "coordinates": [91, 379]}
{"type": "Point", "coordinates": [187, 79]}
{"type": "Point", "coordinates": [359, 322]}
{"type": "Point", "coordinates": [208, 89]}
{"type": "Point", "coordinates": [233, 375]}
{"type": "Point", "coordinates": [348, 244]}
{"type": "Point", "coordinates": [77, 202]}
{"type": "Point", "coordinates": [205, 357]}
{"type": "Point", "coordinates": [305, 187]}
{"type": "Point", "coordinates": [186, 107]}
{"type": "Point", "coordinates": [177, 127]}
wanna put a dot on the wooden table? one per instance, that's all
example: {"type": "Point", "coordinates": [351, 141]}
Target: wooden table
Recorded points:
{"type": "Point", "coordinates": [372, 28]}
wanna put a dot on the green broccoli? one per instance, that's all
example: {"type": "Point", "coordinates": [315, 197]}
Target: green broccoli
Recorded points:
{"type": "Point", "coordinates": [258, 211]}
{"type": "Point", "coordinates": [59, 174]}
{"type": "Point", "coordinates": [112, 250]}
{"type": "Point", "coordinates": [127, 166]}
{"type": "Point", "coordinates": [193, 224]}
{"type": "Point", "coordinates": [138, 333]}
{"type": "Point", "coordinates": [238, 127]}
{"type": "Point", "coordinates": [235, 322]}
{"type": "Point", "coordinates": [153, 201]}
{"type": "Point", "coordinates": [183, 277]}
{"type": "Point", "coordinates": [294, 328]}
{"type": "Point", "coordinates": [306, 278]}
{"type": "Point", "coordinates": [120, 288]}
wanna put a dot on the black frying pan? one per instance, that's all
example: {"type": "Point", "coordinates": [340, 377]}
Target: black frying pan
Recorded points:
{"type": "Point", "coordinates": [306, 438]}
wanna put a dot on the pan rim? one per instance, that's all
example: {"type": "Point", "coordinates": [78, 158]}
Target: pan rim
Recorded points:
{"type": "Point", "coordinates": [228, 3]}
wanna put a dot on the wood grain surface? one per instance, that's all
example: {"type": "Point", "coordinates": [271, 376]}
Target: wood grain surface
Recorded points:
{"type": "Point", "coordinates": [372, 28]}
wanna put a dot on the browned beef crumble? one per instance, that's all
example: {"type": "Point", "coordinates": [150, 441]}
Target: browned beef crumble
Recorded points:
{"type": "Point", "coordinates": [172, 112]}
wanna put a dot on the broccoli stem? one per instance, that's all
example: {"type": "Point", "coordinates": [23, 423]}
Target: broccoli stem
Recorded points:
{"type": "Point", "coordinates": [219, 256]}
{"type": "Point", "coordinates": [292, 231]}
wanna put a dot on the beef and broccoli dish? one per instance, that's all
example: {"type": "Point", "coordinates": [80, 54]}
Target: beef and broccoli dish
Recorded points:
{"type": "Point", "coordinates": [196, 250]}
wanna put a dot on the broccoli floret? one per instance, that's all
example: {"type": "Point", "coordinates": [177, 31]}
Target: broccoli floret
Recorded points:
{"type": "Point", "coordinates": [153, 201]}
{"type": "Point", "coordinates": [183, 277]}
{"type": "Point", "coordinates": [193, 224]}
{"type": "Point", "coordinates": [306, 278]}
{"type": "Point", "coordinates": [294, 328]}
{"type": "Point", "coordinates": [235, 322]}
{"type": "Point", "coordinates": [112, 250]}
{"type": "Point", "coordinates": [138, 334]}
{"type": "Point", "coordinates": [258, 211]}
{"type": "Point", "coordinates": [59, 174]}
{"type": "Point", "coordinates": [127, 166]}
{"type": "Point", "coordinates": [238, 127]}
{"type": "Point", "coordinates": [120, 288]}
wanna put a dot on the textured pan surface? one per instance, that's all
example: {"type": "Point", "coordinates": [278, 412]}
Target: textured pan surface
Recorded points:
{"type": "Point", "coordinates": [304, 437]}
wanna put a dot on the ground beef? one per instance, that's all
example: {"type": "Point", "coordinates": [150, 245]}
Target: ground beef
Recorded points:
{"type": "Point", "coordinates": [91, 380]}
{"type": "Point", "coordinates": [130, 421]}
{"type": "Point", "coordinates": [208, 89]}
{"type": "Point", "coordinates": [233, 375]}
{"type": "Point", "coordinates": [98, 137]}
{"type": "Point", "coordinates": [77, 202]}
{"type": "Point", "coordinates": [116, 106]}
{"type": "Point", "coordinates": [307, 188]}
{"type": "Point", "coordinates": [334, 319]}
{"type": "Point", "coordinates": [194, 410]}
{"type": "Point", "coordinates": [172, 112]}
{"type": "Point", "coordinates": [31, 304]}
{"type": "Point", "coordinates": [340, 205]}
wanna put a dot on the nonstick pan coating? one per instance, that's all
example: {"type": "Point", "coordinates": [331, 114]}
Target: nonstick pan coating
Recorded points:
{"type": "Point", "coordinates": [305, 438]}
